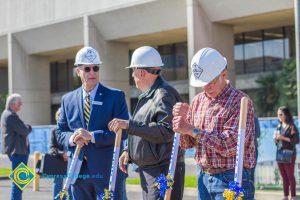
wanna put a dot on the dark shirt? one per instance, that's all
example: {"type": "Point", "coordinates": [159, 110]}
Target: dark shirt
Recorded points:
{"type": "Point", "coordinates": [257, 132]}
{"type": "Point", "coordinates": [55, 148]}
{"type": "Point", "coordinates": [291, 132]}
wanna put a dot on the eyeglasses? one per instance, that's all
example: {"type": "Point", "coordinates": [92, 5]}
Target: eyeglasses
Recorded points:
{"type": "Point", "coordinates": [88, 69]}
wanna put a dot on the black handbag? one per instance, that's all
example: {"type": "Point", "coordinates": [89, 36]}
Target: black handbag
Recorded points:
{"type": "Point", "coordinates": [284, 155]}
{"type": "Point", "coordinates": [51, 165]}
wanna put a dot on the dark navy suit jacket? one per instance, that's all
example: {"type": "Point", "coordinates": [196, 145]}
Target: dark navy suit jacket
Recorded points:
{"type": "Point", "coordinates": [107, 104]}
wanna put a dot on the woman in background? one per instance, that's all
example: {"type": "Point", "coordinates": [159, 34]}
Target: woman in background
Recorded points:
{"type": "Point", "coordinates": [57, 150]}
{"type": "Point", "coordinates": [286, 137]}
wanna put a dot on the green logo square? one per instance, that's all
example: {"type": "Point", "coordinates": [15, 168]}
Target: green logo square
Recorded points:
{"type": "Point", "coordinates": [22, 176]}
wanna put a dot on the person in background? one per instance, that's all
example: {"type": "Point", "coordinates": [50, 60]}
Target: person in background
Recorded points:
{"type": "Point", "coordinates": [150, 134]}
{"type": "Point", "coordinates": [15, 141]}
{"type": "Point", "coordinates": [257, 135]}
{"type": "Point", "coordinates": [57, 150]}
{"type": "Point", "coordinates": [286, 137]}
{"type": "Point", "coordinates": [210, 124]}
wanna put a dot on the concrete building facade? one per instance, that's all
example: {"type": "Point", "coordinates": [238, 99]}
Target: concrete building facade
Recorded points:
{"type": "Point", "coordinates": [39, 40]}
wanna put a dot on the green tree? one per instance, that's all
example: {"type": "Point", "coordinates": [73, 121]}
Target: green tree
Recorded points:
{"type": "Point", "coordinates": [267, 96]}
{"type": "Point", "coordinates": [287, 84]}
{"type": "Point", "coordinates": [277, 90]}
{"type": "Point", "coordinates": [2, 101]}
{"type": "Point", "coordinates": [276, 176]}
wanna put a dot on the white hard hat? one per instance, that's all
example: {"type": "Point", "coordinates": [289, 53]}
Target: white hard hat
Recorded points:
{"type": "Point", "coordinates": [87, 56]}
{"type": "Point", "coordinates": [145, 57]}
{"type": "Point", "coordinates": [206, 65]}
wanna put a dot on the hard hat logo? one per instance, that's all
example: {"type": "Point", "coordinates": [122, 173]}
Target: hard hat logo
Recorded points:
{"type": "Point", "coordinates": [206, 65]}
{"type": "Point", "coordinates": [197, 70]}
{"type": "Point", "coordinates": [87, 56]}
{"type": "Point", "coordinates": [90, 55]}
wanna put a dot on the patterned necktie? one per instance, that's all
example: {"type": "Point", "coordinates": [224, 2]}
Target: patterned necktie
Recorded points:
{"type": "Point", "coordinates": [87, 109]}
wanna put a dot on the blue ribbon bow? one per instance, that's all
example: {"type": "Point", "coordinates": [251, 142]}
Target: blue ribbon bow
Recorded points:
{"type": "Point", "coordinates": [164, 183]}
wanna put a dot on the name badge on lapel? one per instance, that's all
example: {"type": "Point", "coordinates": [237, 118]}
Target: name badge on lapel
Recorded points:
{"type": "Point", "coordinates": [99, 103]}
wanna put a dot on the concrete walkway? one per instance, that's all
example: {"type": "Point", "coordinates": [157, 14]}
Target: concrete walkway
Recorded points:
{"type": "Point", "coordinates": [133, 192]}
{"type": "Point", "coordinates": [45, 193]}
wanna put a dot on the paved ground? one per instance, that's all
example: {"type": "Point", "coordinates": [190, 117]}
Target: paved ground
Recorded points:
{"type": "Point", "coordinates": [133, 191]}
{"type": "Point", "coordinates": [45, 193]}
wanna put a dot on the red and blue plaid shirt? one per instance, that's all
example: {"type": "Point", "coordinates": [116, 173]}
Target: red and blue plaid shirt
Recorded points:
{"type": "Point", "coordinates": [218, 121]}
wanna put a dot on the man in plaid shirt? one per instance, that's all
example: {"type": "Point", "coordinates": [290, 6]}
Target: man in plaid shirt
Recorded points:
{"type": "Point", "coordinates": [210, 124]}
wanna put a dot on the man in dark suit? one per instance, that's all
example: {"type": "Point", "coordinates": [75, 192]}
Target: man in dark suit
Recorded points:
{"type": "Point", "coordinates": [15, 141]}
{"type": "Point", "coordinates": [85, 114]}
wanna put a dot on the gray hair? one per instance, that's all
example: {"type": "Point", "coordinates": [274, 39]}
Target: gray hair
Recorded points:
{"type": "Point", "coordinates": [11, 99]}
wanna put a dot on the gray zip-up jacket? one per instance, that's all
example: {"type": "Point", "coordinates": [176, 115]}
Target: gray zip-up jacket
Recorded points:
{"type": "Point", "coordinates": [150, 134]}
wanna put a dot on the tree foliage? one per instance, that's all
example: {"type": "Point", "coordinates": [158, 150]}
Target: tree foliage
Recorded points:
{"type": "Point", "coordinates": [2, 101]}
{"type": "Point", "coordinates": [276, 176]}
{"type": "Point", "coordinates": [268, 95]}
{"type": "Point", "coordinates": [277, 89]}
{"type": "Point", "coordinates": [288, 85]}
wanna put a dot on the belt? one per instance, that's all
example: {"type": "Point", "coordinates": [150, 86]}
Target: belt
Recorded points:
{"type": "Point", "coordinates": [213, 171]}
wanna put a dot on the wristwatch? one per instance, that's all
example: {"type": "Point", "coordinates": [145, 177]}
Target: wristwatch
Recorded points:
{"type": "Point", "coordinates": [195, 131]}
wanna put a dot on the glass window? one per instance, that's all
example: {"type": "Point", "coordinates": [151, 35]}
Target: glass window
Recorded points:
{"type": "Point", "coordinates": [3, 79]}
{"type": "Point", "coordinates": [263, 50]}
{"type": "Point", "coordinates": [274, 52]}
{"type": "Point", "coordinates": [174, 57]}
{"type": "Point", "coordinates": [62, 76]}
{"type": "Point", "coordinates": [239, 53]}
{"type": "Point", "coordinates": [239, 58]}
{"type": "Point", "coordinates": [53, 76]}
{"type": "Point", "coordinates": [253, 52]}
{"type": "Point", "coordinates": [290, 41]}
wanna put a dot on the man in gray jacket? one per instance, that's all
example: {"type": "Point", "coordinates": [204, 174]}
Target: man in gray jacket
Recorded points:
{"type": "Point", "coordinates": [150, 134]}
{"type": "Point", "coordinates": [14, 137]}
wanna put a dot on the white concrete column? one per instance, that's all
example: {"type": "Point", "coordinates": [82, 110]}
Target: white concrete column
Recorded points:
{"type": "Point", "coordinates": [29, 76]}
{"type": "Point", "coordinates": [203, 33]}
{"type": "Point", "coordinates": [114, 56]}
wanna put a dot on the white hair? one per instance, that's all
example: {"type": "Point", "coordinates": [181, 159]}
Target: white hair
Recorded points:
{"type": "Point", "coordinates": [11, 99]}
